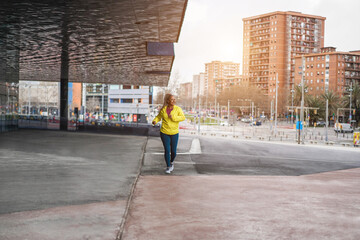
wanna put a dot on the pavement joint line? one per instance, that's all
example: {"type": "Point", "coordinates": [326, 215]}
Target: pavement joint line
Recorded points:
{"type": "Point", "coordinates": [129, 200]}
{"type": "Point", "coordinates": [293, 144]}
{"type": "Point", "coordinates": [266, 157]}
{"type": "Point", "coordinates": [162, 153]}
{"type": "Point", "coordinates": [190, 163]}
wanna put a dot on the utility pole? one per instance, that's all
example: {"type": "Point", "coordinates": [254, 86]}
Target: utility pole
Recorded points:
{"type": "Point", "coordinates": [215, 105]}
{"type": "Point", "coordinates": [276, 102]}
{"type": "Point", "coordinates": [199, 116]}
{"type": "Point", "coordinates": [271, 114]}
{"type": "Point", "coordinates": [327, 119]}
{"type": "Point", "coordinates": [350, 116]}
{"type": "Point", "coordinates": [102, 101]}
{"type": "Point", "coordinates": [292, 106]}
{"type": "Point", "coordinates": [228, 111]}
{"type": "Point", "coordinates": [302, 98]}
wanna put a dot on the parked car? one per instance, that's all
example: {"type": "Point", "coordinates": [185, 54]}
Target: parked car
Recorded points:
{"type": "Point", "coordinates": [225, 123]}
{"type": "Point", "coordinates": [321, 123]}
{"type": "Point", "coordinates": [343, 127]}
{"type": "Point", "coordinates": [245, 120]}
{"type": "Point", "coordinates": [256, 123]}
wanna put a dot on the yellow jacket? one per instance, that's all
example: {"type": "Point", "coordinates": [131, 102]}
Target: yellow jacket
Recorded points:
{"type": "Point", "coordinates": [170, 126]}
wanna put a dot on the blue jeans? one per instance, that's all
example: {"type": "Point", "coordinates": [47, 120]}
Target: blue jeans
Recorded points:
{"type": "Point", "coordinates": [170, 144]}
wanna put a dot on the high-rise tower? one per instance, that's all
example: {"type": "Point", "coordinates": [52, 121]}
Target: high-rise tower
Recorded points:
{"type": "Point", "coordinates": [271, 41]}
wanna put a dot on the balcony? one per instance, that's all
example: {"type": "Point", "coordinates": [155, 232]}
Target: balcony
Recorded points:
{"type": "Point", "coordinates": [357, 69]}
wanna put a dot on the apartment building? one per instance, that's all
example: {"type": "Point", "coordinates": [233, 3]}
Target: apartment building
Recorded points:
{"type": "Point", "coordinates": [186, 90]}
{"type": "Point", "coordinates": [328, 70]}
{"type": "Point", "coordinates": [199, 85]}
{"type": "Point", "coordinates": [222, 84]}
{"type": "Point", "coordinates": [218, 70]}
{"type": "Point", "coordinates": [272, 41]}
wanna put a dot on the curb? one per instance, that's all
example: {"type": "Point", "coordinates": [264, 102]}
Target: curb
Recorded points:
{"type": "Point", "coordinates": [129, 200]}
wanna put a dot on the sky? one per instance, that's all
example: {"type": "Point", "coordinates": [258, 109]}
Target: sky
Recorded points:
{"type": "Point", "coordinates": [213, 29]}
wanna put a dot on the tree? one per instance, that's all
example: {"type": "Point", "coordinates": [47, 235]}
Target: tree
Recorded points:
{"type": "Point", "coordinates": [298, 95]}
{"type": "Point", "coordinates": [333, 101]}
{"type": "Point", "coordinates": [92, 104]}
{"type": "Point", "coordinates": [315, 102]}
{"type": "Point", "coordinates": [242, 96]}
{"type": "Point", "coordinates": [172, 87]}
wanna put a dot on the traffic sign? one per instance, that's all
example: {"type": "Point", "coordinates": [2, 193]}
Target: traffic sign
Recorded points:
{"type": "Point", "coordinates": [299, 125]}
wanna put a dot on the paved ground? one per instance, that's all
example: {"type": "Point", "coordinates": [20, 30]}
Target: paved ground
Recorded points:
{"type": "Point", "coordinates": [63, 185]}
{"type": "Point", "coordinates": [248, 190]}
{"type": "Point", "coordinates": [53, 181]}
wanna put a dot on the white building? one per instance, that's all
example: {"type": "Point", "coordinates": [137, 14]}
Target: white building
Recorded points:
{"type": "Point", "coordinates": [198, 85]}
{"type": "Point", "coordinates": [129, 103]}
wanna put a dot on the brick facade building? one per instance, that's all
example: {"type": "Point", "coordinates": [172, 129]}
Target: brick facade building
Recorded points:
{"type": "Point", "coordinates": [329, 70]}
{"type": "Point", "coordinates": [271, 42]}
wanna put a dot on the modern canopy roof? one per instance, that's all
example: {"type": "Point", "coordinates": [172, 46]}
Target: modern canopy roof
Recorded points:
{"type": "Point", "coordinates": [107, 41]}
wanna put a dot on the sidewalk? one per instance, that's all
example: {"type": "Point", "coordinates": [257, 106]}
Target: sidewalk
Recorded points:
{"type": "Point", "coordinates": [63, 185]}
{"type": "Point", "coordinates": [186, 205]}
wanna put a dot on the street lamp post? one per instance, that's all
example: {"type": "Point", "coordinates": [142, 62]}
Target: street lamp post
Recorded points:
{"type": "Point", "coordinates": [292, 105]}
{"type": "Point", "coordinates": [102, 101]}
{"type": "Point", "coordinates": [350, 90]}
{"type": "Point", "coordinates": [327, 119]}
{"type": "Point", "coordinates": [302, 98]}
{"type": "Point", "coordinates": [29, 100]}
{"type": "Point", "coordinates": [228, 111]}
{"type": "Point", "coordinates": [276, 102]}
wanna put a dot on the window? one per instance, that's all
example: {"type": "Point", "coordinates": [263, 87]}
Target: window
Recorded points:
{"type": "Point", "coordinates": [126, 87]}
{"type": "Point", "coordinates": [126, 100]}
{"type": "Point", "coordinates": [114, 100]}
{"type": "Point", "coordinates": [114, 87]}
{"type": "Point", "coordinates": [136, 87]}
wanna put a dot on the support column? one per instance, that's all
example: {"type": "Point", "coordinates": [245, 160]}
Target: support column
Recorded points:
{"type": "Point", "coordinates": [64, 77]}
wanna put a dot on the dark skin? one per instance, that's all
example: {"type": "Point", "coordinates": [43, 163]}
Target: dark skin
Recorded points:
{"type": "Point", "coordinates": [170, 104]}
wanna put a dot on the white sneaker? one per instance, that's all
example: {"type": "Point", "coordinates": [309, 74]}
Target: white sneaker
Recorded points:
{"type": "Point", "coordinates": [167, 171]}
{"type": "Point", "coordinates": [172, 167]}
